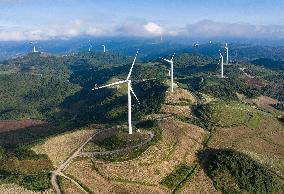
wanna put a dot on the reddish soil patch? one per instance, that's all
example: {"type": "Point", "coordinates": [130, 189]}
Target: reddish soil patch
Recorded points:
{"type": "Point", "coordinates": [254, 82]}
{"type": "Point", "coordinates": [11, 125]}
{"type": "Point", "coordinates": [265, 103]}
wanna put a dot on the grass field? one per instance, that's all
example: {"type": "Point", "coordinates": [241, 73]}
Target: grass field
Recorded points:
{"type": "Point", "coordinates": [229, 114]}
{"type": "Point", "coordinates": [69, 187]}
{"type": "Point", "coordinates": [84, 171]}
{"type": "Point", "coordinates": [60, 147]}
{"type": "Point", "coordinates": [200, 184]}
{"type": "Point", "coordinates": [261, 138]}
{"type": "Point", "coordinates": [16, 189]}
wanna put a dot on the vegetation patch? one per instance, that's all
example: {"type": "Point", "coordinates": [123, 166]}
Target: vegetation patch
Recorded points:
{"type": "Point", "coordinates": [180, 173]}
{"type": "Point", "coordinates": [279, 106]}
{"type": "Point", "coordinates": [38, 182]}
{"type": "Point", "coordinates": [281, 119]}
{"type": "Point", "coordinates": [129, 154]}
{"type": "Point", "coordinates": [229, 114]}
{"type": "Point", "coordinates": [120, 140]}
{"type": "Point", "coordinates": [146, 124]}
{"type": "Point", "coordinates": [234, 172]}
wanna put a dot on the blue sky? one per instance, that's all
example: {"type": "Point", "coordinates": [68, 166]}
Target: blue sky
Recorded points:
{"type": "Point", "coordinates": [44, 19]}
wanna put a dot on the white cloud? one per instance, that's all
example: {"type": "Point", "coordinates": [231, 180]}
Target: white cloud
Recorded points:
{"type": "Point", "coordinates": [208, 28]}
{"type": "Point", "coordinates": [141, 28]}
{"type": "Point", "coordinates": [74, 28]}
{"type": "Point", "coordinates": [153, 28]}
{"type": "Point", "coordinates": [94, 31]}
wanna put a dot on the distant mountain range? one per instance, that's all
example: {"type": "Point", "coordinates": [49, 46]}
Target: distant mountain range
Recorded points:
{"type": "Point", "coordinates": [150, 48]}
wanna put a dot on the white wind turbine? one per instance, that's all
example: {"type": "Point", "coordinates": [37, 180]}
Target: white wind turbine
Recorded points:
{"type": "Point", "coordinates": [222, 64]}
{"type": "Point", "coordinates": [172, 71]}
{"type": "Point", "coordinates": [227, 52]}
{"type": "Point", "coordinates": [34, 48]}
{"type": "Point", "coordinates": [104, 48]}
{"type": "Point", "coordinates": [90, 45]}
{"type": "Point", "coordinates": [130, 90]}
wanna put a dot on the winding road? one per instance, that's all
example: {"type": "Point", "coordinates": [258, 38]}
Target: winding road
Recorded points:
{"type": "Point", "coordinates": [78, 152]}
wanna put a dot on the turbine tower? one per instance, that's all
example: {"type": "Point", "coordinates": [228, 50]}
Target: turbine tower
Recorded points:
{"type": "Point", "coordinates": [129, 91]}
{"type": "Point", "coordinates": [34, 48]}
{"type": "Point", "coordinates": [90, 46]}
{"type": "Point", "coordinates": [104, 48]}
{"type": "Point", "coordinates": [172, 71]}
{"type": "Point", "coordinates": [222, 65]}
{"type": "Point", "coordinates": [227, 52]}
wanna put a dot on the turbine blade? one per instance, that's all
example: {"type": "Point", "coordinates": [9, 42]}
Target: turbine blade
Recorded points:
{"type": "Point", "coordinates": [134, 94]}
{"type": "Point", "coordinates": [112, 84]}
{"type": "Point", "coordinates": [166, 60]}
{"type": "Point", "coordinates": [130, 71]}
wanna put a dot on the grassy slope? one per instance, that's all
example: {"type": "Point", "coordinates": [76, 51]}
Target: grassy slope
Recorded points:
{"type": "Point", "coordinates": [233, 172]}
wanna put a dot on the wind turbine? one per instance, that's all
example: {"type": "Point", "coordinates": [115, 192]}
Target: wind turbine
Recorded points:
{"type": "Point", "coordinates": [34, 48]}
{"type": "Point", "coordinates": [227, 52]}
{"type": "Point", "coordinates": [90, 46]}
{"type": "Point", "coordinates": [172, 71]}
{"type": "Point", "coordinates": [222, 64]}
{"type": "Point", "coordinates": [129, 89]}
{"type": "Point", "coordinates": [104, 48]}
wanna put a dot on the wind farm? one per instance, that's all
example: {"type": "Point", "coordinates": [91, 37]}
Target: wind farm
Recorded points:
{"type": "Point", "coordinates": [141, 97]}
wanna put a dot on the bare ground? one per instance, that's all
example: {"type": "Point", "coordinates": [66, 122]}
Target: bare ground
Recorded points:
{"type": "Point", "coordinates": [178, 110]}
{"type": "Point", "coordinates": [180, 95]}
{"type": "Point", "coordinates": [11, 125]}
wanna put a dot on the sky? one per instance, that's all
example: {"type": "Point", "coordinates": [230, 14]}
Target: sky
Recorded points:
{"type": "Point", "coordinates": [48, 19]}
